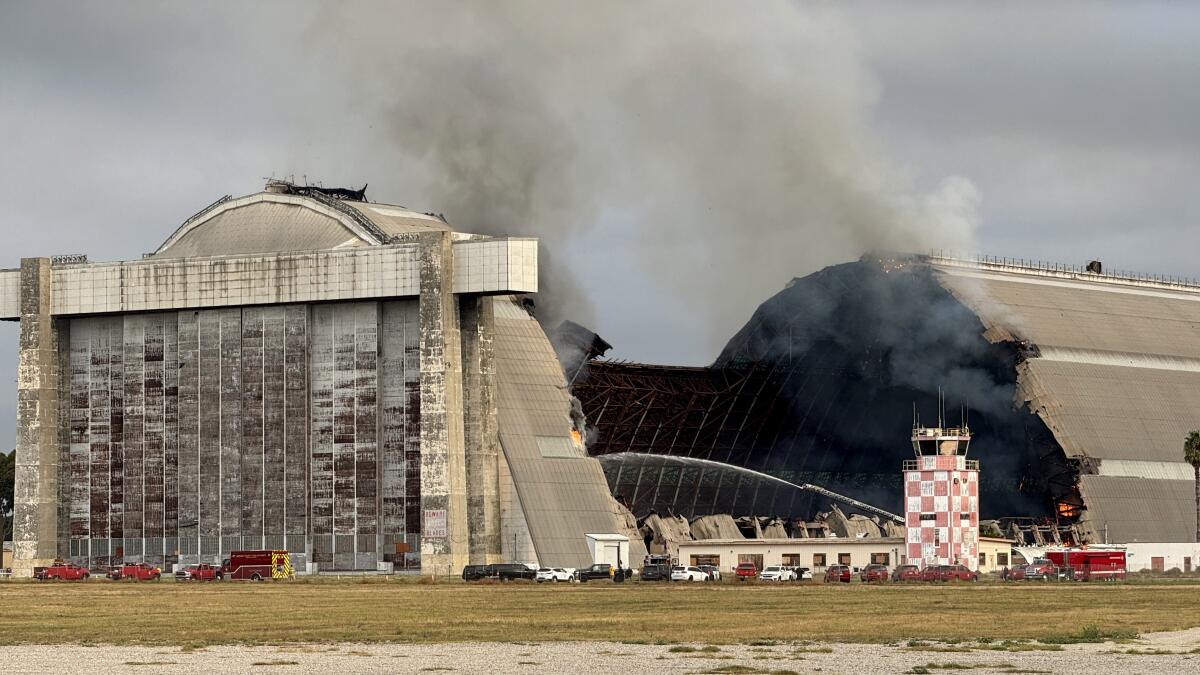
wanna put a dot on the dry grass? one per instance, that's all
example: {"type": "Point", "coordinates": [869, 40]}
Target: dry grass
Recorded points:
{"type": "Point", "coordinates": [341, 611]}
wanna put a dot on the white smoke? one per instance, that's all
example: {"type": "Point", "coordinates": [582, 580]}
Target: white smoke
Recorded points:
{"type": "Point", "coordinates": [737, 137]}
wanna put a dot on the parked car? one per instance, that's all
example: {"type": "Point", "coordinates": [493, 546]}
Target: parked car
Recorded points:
{"type": "Point", "coordinates": [804, 574]}
{"type": "Point", "coordinates": [63, 571]}
{"type": "Point", "coordinates": [656, 572]}
{"type": "Point", "coordinates": [681, 573]}
{"type": "Point", "coordinates": [1041, 569]}
{"type": "Point", "coordinates": [714, 572]}
{"type": "Point", "coordinates": [515, 571]}
{"type": "Point", "coordinates": [931, 573]}
{"type": "Point", "coordinates": [837, 573]}
{"type": "Point", "coordinates": [957, 573]}
{"type": "Point", "coordinates": [746, 570]}
{"type": "Point", "coordinates": [874, 572]}
{"type": "Point", "coordinates": [201, 572]}
{"type": "Point", "coordinates": [597, 571]}
{"type": "Point", "coordinates": [554, 574]}
{"type": "Point", "coordinates": [1016, 573]}
{"type": "Point", "coordinates": [906, 573]}
{"type": "Point", "coordinates": [135, 572]}
{"type": "Point", "coordinates": [777, 573]}
{"type": "Point", "coordinates": [477, 572]}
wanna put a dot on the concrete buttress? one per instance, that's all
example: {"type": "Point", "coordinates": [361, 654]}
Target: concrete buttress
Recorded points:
{"type": "Point", "coordinates": [35, 508]}
{"type": "Point", "coordinates": [478, 327]}
{"type": "Point", "coordinates": [444, 532]}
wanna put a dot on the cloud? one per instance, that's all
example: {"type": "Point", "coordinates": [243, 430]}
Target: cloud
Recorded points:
{"type": "Point", "coordinates": [681, 160]}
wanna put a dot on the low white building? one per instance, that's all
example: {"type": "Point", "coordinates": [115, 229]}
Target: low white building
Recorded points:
{"type": "Point", "coordinates": [815, 554]}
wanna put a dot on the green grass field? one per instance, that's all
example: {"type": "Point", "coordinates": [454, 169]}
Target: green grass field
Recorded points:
{"type": "Point", "coordinates": [405, 611]}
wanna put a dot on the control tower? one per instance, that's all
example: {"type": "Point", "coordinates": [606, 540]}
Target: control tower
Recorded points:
{"type": "Point", "coordinates": [941, 489]}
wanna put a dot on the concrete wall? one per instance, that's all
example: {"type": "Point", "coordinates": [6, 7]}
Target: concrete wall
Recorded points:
{"type": "Point", "coordinates": [773, 551]}
{"type": "Point", "coordinates": [482, 266]}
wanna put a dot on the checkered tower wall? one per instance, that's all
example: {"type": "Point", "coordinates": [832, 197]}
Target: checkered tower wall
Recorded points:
{"type": "Point", "coordinates": [942, 512]}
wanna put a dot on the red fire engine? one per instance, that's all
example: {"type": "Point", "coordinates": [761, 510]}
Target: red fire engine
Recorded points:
{"type": "Point", "coordinates": [1091, 563]}
{"type": "Point", "coordinates": [259, 565]}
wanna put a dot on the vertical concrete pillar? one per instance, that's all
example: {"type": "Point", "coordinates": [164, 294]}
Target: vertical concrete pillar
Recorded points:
{"type": "Point", "coordinates": [35, 508]}
{"type": "Point", "coordinates": [444, 535]}
{"type": "Point", "coordinates": [482, 439]}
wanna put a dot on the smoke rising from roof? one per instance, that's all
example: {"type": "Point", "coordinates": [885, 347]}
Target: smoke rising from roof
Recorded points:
{"type": "Point", "coordinates": [737, 144]}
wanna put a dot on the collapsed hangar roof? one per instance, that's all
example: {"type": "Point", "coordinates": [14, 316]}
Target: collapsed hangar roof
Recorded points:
{"type": "Point", "coordinates": [288, 218]}
{"type": "Point", "coordinates": [1113, 370]}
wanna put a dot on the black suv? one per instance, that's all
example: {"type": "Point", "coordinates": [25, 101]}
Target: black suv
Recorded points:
{"type": "Point", "coordinates": [511, 571]}
{"type": "Point", "coordinates": [477, 572]}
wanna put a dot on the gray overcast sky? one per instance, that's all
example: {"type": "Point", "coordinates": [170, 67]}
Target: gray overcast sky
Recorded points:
{"type": "Point", "coordinates": [1069, 133]}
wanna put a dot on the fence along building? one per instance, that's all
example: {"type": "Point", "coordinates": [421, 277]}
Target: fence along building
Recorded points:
{"type": "Point", "coordinates": [294, 369]}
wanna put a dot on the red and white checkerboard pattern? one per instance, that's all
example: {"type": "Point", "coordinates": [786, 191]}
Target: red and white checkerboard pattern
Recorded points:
{"type": "Point", "coordinates": [942, 512]}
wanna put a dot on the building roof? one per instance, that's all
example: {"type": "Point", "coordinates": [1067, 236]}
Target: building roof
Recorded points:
{"type": "Point", "coordinates": [1113, 369]}
{"type": "Point", "coordinates": [562, 491]}
{"type": "Point", "coordinates": [272, 222]}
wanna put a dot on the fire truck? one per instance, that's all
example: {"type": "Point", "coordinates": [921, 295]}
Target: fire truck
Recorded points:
{"type": "Point", "coordinates": [259, 565]}
{"type": "Point", "coordinates": [1090, 563]}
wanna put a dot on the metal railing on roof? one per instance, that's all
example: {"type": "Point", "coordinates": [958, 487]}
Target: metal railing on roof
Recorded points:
{"type": "Point", "coordinates": [354, 214]}
{"type": "Point", "coordinates": [918, 465]}
{"type": "Point", "coordinates": [1055, 269]}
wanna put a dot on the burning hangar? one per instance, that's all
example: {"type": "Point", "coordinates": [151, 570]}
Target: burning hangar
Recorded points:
{"type": "Point", "coordinates": [1079, 385]}
{"type": "Point", "coordinates": [299, 368]}
{"type": "Point", "coordinates": [362, 385]}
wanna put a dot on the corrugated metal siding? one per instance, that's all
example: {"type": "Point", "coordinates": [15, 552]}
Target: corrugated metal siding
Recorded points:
{"type": "Point", "coordinates": [262, 227]}
{"type": "Point", "coordinates": [1112, 412]}
{"type": "Point", "coordinates": [562, 498]}
{"type": "Point", "coordinates": [400, 418]}
{"type": "Point", "coordinates": [1116, 379]}
{"type": "Point", "coordinates": [1140, 509]}
{"type": "Point", "coordinates": [397, 220]}
{"type": "Point", "coordinates": [189, 431]}
{"type": "Point", "coordinates": [1113, 319]}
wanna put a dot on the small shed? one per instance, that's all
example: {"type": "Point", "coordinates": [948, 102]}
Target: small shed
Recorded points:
{"type": "Point", "coordinates": [609, 548]}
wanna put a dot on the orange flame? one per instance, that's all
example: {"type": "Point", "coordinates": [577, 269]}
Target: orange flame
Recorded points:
{"type": "Point", "coordinates": [577, 437]}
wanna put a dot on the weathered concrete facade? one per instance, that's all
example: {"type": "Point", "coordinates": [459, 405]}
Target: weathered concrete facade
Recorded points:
{"type": "Point", "coordinates": [35, 507]}
{"type": "Point", "coordinates": [235, 390]}
{"type": "Point", "coordinates": [478, 324]}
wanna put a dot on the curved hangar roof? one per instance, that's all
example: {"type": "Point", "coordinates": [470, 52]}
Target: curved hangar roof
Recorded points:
{"type": "Point", "coordinates": [1114, 371]}
{"type": "Point", "coordinates": [271, 222]}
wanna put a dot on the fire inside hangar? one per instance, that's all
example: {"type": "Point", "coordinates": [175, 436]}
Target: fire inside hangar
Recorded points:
{"type": "Point", "coordinates": [1079, 387]}
{"type": "Point", "coordinates": [297, 369]}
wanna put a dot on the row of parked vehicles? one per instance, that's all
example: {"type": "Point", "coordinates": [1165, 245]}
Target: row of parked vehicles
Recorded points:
{"type": "Point", "coordinates": [518, 571]}
{"type": "Point", "coordinates": [241, 565]}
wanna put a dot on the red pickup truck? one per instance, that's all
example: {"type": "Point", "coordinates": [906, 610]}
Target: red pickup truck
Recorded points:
{"type": "Point", "coordinates": [62, 571]}
{"type": "Point", "coordinates": [201, 572]}
{"type": "Point", "coordinates": [746, 570]}
{"type": "Point", "coordinates": [136, 572]}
